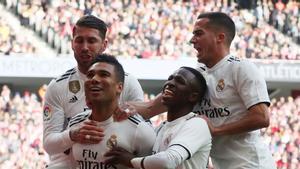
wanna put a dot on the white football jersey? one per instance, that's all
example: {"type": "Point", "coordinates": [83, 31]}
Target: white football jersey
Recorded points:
{"type": "Point", "coordinates": [64, 99]}
{"type": "Point", "coordinates": [189, 132]}
{"type": "Point", "coordinates": [134, 134]}
{"type": "Point", "coordinates": [234, 85]}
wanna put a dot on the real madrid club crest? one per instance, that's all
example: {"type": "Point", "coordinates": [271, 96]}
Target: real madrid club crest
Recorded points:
{"type": "Point", "coordinates": [112, 141]}
{"type": "Point", "coordinates": [74, 86]}
{"type": "Point", "coordinates": [168, 140]}
{"type": "Point", "coordinates": [221, 85]}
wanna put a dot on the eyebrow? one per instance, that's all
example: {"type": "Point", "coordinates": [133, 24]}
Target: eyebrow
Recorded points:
{"type": "Point", "coordinates": [197, 31]}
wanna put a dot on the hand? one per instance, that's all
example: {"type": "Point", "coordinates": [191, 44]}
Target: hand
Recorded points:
{"type": "Point", "coordinates": [86, 133]}
{"type": "Point", "coordinates": [123, 112]}
{"type": "Point", "coordinates": [212, 129]}
{"type": "Point", "coordinates": [118, 155]}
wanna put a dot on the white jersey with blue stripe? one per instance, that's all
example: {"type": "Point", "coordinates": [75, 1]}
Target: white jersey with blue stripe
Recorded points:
{"type": "Point", "coordinates": [235, 85]}
{"type": "Point", "coordinates": [134, 134]}
{"type": "Point", "coordinates": [64, 99]}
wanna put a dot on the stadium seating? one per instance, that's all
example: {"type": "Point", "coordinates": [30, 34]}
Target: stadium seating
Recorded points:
{"type": "Point", "coordinates": [162, 29]}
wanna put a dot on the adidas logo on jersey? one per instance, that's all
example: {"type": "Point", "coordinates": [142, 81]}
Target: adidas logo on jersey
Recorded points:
{"type": "Point", "coordinates": [73, 99]}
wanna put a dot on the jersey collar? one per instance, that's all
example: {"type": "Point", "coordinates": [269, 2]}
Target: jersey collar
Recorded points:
{"type": "Point", "coordinates": [219, 64]}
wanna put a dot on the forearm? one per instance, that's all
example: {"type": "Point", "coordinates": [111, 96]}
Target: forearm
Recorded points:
{"type": "Point", "coordinates": [57, 142]}
{"type": "Point", "coordinates": [256, 118]}
{"type": "Point", "coordinates": [151, 108]}
{"type": "Point", "coordinates": [170, 158]}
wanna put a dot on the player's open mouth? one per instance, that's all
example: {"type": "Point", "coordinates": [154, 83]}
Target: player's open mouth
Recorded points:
{"type": "Point", "coordinates": [86, 57]}
{"type": "Point", "coordinates": [95, 89]}
{"type": "Point", "coordinates": [168, 93]}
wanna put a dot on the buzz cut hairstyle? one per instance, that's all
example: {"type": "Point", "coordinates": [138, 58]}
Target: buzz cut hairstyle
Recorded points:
{"type": "Point", "coordinates": [201, 80]}
{"type": "Point", "coordinates": [91, 21]}
{"type": "Point", "coordinates": [221, 20]}
{"type": "Point", "coordinates": [110, 59]}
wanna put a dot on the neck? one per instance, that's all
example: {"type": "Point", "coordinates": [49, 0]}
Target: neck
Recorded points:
{"type": "Point", "coordinates": [177, 112]}
{"type": "Point", "coordinates": [83, 70]}
{"type": "Point", "coordinates": [103, 111]}
{"type": "Point", "coordinates": [218, 56]}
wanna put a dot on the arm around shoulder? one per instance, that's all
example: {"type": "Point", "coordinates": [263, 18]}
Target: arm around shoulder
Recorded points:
{"type": "Point", "coordinates": [55, 139]}
{"type": "Point", "coordinates": [150, 108]}
{"type": "Point", "coordinates": [256, 117]}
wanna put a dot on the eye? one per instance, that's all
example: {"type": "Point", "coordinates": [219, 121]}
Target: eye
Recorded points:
{"type": "Point", "coordinates": [180, 80]}
{"type": "Point", "coordinates": [104, 74]}
{"type": "Point", "coordinates": [198, 33]}
{"type": "Point", "coordinates": [170, 77]}
{"type": "Point", "coordinates": [79, 40]}
{"type": "Point", "coordinates": [90, 75]}
{"type": "Point", "coordinates": [92, 40]}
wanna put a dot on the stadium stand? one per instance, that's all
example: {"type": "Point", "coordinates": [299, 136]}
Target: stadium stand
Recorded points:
{"type": "Point", "coordinates": [16, 39]}
{"type": "Point", "coordinates": [162, 29]}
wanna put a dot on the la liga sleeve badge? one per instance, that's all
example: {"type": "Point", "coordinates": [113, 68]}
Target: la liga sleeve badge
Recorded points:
{"type": "Point", "coordinates": [47, 113]}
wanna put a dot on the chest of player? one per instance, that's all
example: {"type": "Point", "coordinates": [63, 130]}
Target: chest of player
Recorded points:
{"type": "Point", "coordinates": [222, 100]}
{"type": "Point", "coordinates": [92, 155]}
{"type": "Point", "coordinates": [222, 90]}
{"type": "Point", "coordinates": [74, 99]}
{"type": "Point", "coordinates": [166, 135]}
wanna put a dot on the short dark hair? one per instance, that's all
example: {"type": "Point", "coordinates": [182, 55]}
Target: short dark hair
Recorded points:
{"type": "Point", "coordinates": [110, 59]}
{"type": "Point", "coordinates": [200, 79]}
{"type": "Point", "coordinates": [220, 20]}
{"type": "Point", "coordinates": [91, 21]}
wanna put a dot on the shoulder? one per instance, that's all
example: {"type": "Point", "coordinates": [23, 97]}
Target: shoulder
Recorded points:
{"type": "Point", "coordinates": [137, 122]}
{"type": "Point", "coordinates": [55, 84]}
{"type": "Point", "coordinates": [79, 118]}
{"type": "Point", "coordinates": [131, 82]}
{"type": "Point", "coordinates": [129, 78]}
{"type": "Point", "coordinates": [194, 121]}
{"type": "Point", "coordinates": [135, 119]}
{"type": "Point", "coordinates": [201, 68]}
{"type": "Point", "coordinates": [242, 68]}
{"type": "Point", "coordinates": [66, 75]}
{"type": "Point", "coordinates": [241, 63]}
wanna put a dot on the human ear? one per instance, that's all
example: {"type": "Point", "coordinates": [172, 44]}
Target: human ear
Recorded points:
{"type": "Point", "coordinates": [194, 97]}
{"type": "Point", "coordinates": [221, 37]}
{"type": "Point", "coordinates": [119, 87]}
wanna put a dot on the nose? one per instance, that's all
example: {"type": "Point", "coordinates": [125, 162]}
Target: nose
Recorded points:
{"type": "Point", "coordinates": [169, 84]}
{"type": "Point", "coordinates": [192, 40]}
{"type": "Point", "coordinates": [85, 46]}
{"type": "Point", "coordinates": [93, 80]}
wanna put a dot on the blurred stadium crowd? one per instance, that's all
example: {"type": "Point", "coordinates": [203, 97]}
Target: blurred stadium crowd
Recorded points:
{"type": "Point", "coordinates": [270, 29]}
{"type": "Point", "coordinates": [21, 130]}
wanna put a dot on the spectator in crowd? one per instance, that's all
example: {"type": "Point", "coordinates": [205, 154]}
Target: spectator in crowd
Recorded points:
{"type": "Point", "coordinates": [160, 29]}
{"type": "Point", "coordinates": [20, 124]}
{"type": "Point", "coordinates": [12, 42]}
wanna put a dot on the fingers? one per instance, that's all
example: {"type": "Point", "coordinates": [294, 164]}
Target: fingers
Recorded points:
{"type": "Point", "coordinates": [118, 155]}
{"type": "Point", "coordinates": [130, 108]}
{"type": "Point", "coordinates": [121, 113]}
{"type": "Point", "coordinates": [90, 139]}
{"type": "Point", "coordinates": [87, 133]}
{"type": "Point", "coordinates": [111, 160]}
{"type": "Point", "coordinates": [112, 156]}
